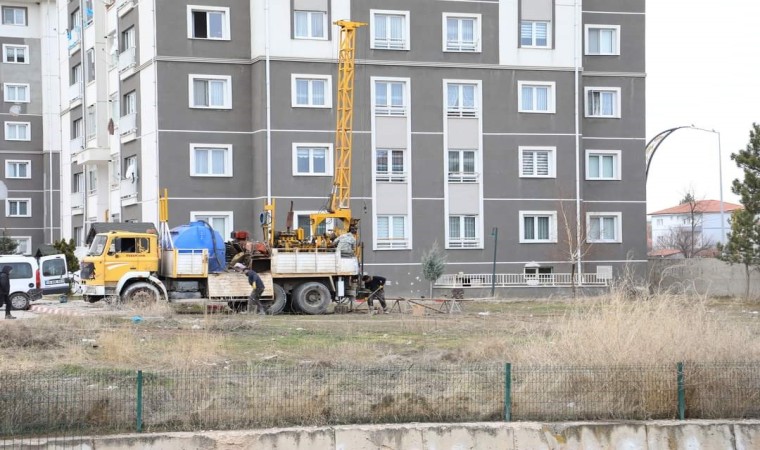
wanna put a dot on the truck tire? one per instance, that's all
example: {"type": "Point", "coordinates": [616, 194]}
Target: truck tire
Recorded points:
{"type": "Point", "coordinates": [140, 293]}
{"type": "Point", "coordinates": [20, 301]}
{"type": "Point", "coordinates": [278, 302]}
{"type": "Point", "coordinates": [312, 297]}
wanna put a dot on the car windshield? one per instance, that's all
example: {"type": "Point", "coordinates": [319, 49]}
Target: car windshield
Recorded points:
{"type": "Point", "coordinates": [98, 245]}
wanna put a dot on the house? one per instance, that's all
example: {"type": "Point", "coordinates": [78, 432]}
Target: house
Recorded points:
{"type": "Point", "coordinates": [703, 217]}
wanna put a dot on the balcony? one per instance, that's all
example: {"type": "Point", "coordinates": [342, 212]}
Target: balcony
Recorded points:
{"type": "Point", "coordinates": [75, 146]}
{"type": "Point", "coordinates": [75, 40]}
{"type": "Point", "coordinates": [128, 127]}
{"type": "Point", "coordinates": [128, 192]}
{"type": "Point", "coordinates": [392, 243]}
{"type": "Point", "coordinates": [91, 154]}
{"type": "Point", "coordinates": [124, 6]}
{"type": "Point", "coordinates": [127, 63]}
{"type": "Point", "coordinates": [75, 92]}
{"type": "Point", "coordinates": [77, 203]}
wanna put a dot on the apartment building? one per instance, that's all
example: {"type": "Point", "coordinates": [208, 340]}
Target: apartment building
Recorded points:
{"type": "Point", "coordinates": [517, 118]}
{"type": "Point", "coordinates": [29, 146]}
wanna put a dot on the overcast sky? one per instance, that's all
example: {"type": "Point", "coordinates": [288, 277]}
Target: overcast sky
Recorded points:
{"type": "Point", "coordinates": [703, 68]}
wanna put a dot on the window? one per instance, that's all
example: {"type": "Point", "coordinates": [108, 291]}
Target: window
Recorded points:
{"type": "Point", "coordinates": [24, 247]}
{"type": "Point", "coordinates": [310, 25]}
{"type": "Point", "coordinates": [130, 245]}
{"type": "Point", "coordinates": [92, 181]}
{"type": "Point", "coordinates": [18, 169]}
{"type": "Point", "coordinates": [18, 131]}
{"type": "Point", "coordinates": [538, 226]}
{"type": "Point", "coordinates": [534, 34]}
{"type": "Point", "coordinates": [91, 122]}
{"type": "Point", "coordinates": [390, 30]}
{"type": "Point", "coordinates": [603, 165]}
{"type": "Point", "coordinates": [312, 159]}
{"type": "Point", "coordinates": [90, 56]}
{"type": "Point", "coordinates": [462, 166]}
{"type": "Point", "coordinates": [463, 232]}
{"type": "Point", "coordinates": [16, 54]}
{"type": "Point", "coordinates": [16, 92]}
{"type": "Point", "coordinates": [76, 129]}
{"type": "Point", "coordinates": [128, 39]}
{"type": "Point", "coordinates": [76, 74]}
{"type": "Point", "coordinates": [208, 91]}
{"type": "Point", "coordinates": [391, 232]}
{"type": "Point", "coordinates": [89, 12]}
{"type": "Point", "coordinates": [536, 97]}
{"type": "Point", "coordinates": [460, 100]}
{"type": "Point", "coordinates": [75, 20]}
{"type": "Point", "coordinates": [461, 33]}
{"type": "Point", "coordinates": [389, 165]}
{"type": "Point", "coordinates": [78, 233]}
{"type": "Point", "coordinates": [115, 107]}
{"type": "Point", "coordinates": [390, 98]}
{"type": "Point", "coordinates": [130, 168]}
{"type": "Point", "coordinates": [208, 22]}
{"type": "Point", "coordinates": [220, 221]}
{"type": "Point", "coordinates": [303, 221]}
{"type": "Point", "coordinates": [18, 207]}
{"type": "Point", "coordinates": [210, 160]}
{"type": "Point", "coordinates": [604, 227]}
{"type": "Point", "coordinates": [602, 39]}
{"type": "Point", "coordinates": [537, 162]}
{"type": "Point", "coordinates": [603, 102]}
{"type": "Point", "coordinates": [311, 91]}
{"type": "Point", "coordinates": [130, 103]}
{"type": "Point", "coordinates": [659, 222]}
{"type": "Point", "coordinates": [77, 182]}
{"type": "Point", "coordinates": [14, 15]}
{"type": "Point", "coordinates": [114, 167]}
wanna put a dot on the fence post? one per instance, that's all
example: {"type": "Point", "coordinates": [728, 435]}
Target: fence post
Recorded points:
{"type": "Point", "coordinates": [139, 401]}
{"type": "Point", "coordinates": [681, 392]}
{"type": "Point", "coordinates": [507, 392]}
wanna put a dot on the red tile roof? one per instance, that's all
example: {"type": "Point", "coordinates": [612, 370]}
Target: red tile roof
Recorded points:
{"type": "Point", "coordinates": [703, 206]}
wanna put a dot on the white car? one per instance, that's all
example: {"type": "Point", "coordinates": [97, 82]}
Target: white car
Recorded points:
{"type": "Point", "coordinates": [31, 279]}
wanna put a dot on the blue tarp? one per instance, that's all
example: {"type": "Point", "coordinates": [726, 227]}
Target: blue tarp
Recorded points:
{"type": "Point", "coordinates": [199, 234]}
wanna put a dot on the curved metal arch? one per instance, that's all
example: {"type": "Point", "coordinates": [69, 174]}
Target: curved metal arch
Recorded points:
{"type": "Point", "coordinates": [655, 142]}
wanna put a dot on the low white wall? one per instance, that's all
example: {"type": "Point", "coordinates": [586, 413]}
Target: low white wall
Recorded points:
{"type": "Point", "coordinates": [654, 435]}
{"type": "Point", "coordinates": [703, 276]}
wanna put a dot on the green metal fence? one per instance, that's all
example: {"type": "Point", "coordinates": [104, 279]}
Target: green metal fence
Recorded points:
{"type": "Point", "coordinates": [82, 402]}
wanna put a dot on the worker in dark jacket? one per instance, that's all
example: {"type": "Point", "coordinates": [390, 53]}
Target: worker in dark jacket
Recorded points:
{"type": "Point", "coordinates": [258, 288]}
{"type": "Point", "coordinates": [5, 290]}
{"type": "Point", "coordinates": [376, 284]}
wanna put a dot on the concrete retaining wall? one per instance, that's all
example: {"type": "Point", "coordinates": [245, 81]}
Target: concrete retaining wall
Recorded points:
{"type": "Point", "coordinates": [665, 435]}
{"type": "Point", "coordinates": [703, 276]}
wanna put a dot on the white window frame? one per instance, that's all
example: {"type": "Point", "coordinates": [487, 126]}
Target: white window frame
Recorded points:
{"type": "Point", "coordinates": [200, 77]}
{"type": "Point", "coordinates": [463, 177]}
{"type": "Point", "coordinates": [15, 47]}
{"type": "Point", "coordinates": [373, 43]}
{"type": "Point", "coordinates": [27, 162]}
{"type": "Point", "coordinates": [26, 88]}
{"type": "Point", "coordinates": [227, 160]}
{"type": "Point", "coordinates": [28, 126]}
{"type": "Point", "coordinates": [551, 103]}
{"type": "Point", "coordinates": [462, 111]}
{"type": "Point", "coordinates": [77, 179]}
{"type": "Point", "coordinates": [310, 35]}
{"type": "Point", "coordinates": [617, 154]}
{"type": "Point", "coordinates": [328, 162]}
{"type": "Point", "coordinates": [552, 161]}
{"type": "Point", "coordinates": [389, 109]}
{"type": "Point", "coordinates": [91, 175]}
{"type": "Point", "coordinates": [597, 27]}
{"type": "Point", "coordinates": [14, 24]}
{"type": "Point", "coordinates": [91, 122]}
{"type": "Point", "coordinates": [391, 242]}
{"type": "Point", "coordinates": [228, 216]}
{"type": "Point", "coordinates": [552, 227]}
{"type": "Point", "coordinates": [329, 223]}
{"type": "Point", "coordinates": [618, 102]}
{"type": "Point", "coordinates": [27, 239]}
{"type": "Point", "coordinates": [463, 242]}
{"type": "Point", "coordinates": [294, 78]}
{"type": "Point", "coordinates": [477, 33]}
{"type": "Point", "coordinates": [130, 103]}
{"type": "Point", "coordinates": [533, 34]}
{"type": "Point", "coordinates": [77, 128]}
{"type": "Point", "coordinates": [207, 9]}
{"type": "Point", "coordinates": [391, 176]}
{"type": "Point", "coordinates": [28, 207]}
{"type": "Point", "coordinates": [90, 65]}
{"type": "Point", "coordinates": [618, 239]}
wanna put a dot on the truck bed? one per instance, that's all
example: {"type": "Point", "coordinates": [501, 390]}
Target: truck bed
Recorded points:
{"type": "Point", "coordinates": [305, 263]}
{"type": "Point", "coordinates": [229, 285]}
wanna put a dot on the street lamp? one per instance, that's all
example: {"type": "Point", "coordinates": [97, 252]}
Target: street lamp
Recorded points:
{"type": "Point", "coordinates": [495, 235]}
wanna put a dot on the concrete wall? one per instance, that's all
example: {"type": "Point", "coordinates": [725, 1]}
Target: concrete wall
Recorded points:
{"type": "Point", "coordinates": [706, 276]}
{"type": "Point", "coordinates": [727, 435]}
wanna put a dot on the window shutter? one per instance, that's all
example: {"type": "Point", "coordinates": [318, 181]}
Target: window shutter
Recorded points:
{"type": "Point", "coordinates": [527, 162]}
{"type": "Point", "coordinates": [382, 228]}
{"type": "Point", "coordinates": [542, 163]}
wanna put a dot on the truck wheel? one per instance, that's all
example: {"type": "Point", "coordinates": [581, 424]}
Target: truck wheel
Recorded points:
{"type": "Point", "coordinates": [312, 297]}
{"type": "Point", "coordinates": [20, 301]}
{"type": "Point", "coordinates": [140, 294]}
{"type": "Point", "coordinates": [277, 304]}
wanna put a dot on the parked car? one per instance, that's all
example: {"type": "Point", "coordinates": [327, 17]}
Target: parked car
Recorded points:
{"type": "Point", "coordinates": [29, 283]}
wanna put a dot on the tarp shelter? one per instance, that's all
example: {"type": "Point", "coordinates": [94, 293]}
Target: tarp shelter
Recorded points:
{"type": "Point", "coordinates": [45, 250]}
{"type": "Point", "coordinates": [133, 227]}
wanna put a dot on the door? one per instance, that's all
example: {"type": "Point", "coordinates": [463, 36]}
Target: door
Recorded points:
{"type": "Point", "coordinates": [53, 275]}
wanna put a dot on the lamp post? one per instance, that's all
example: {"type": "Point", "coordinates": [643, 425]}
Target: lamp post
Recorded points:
{"type": "Point", "coordinates": [495, 235]}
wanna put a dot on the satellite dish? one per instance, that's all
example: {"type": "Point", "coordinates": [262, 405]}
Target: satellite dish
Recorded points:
{"type": "Point", "coordinates": [3, 191]}
{"type": "Point", "coordinates": [15, 110]}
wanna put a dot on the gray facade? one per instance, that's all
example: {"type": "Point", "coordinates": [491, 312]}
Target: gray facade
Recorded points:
{"type": "Point", "coordinates": [517, 105]}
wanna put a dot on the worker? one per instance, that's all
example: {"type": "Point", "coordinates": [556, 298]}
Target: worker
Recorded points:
{"type": "Point", "coordinates": [257, 286]}
{"type": "Point", "coordinates": [346, 243]}
{"type": "Point", "coordinates": [5, 290]}
{"type": "Point", "coordinates": [376, 284]}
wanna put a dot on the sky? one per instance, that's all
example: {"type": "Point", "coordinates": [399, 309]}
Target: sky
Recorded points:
{"type": "Point", "coordinates": [703, 68]}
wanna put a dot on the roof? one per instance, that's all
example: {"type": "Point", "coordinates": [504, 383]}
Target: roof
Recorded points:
{"type": "Point", "coordinates": [664, 253]}
{"type": "Point", "coordinates": [133, 227]}
{"type": "Point", "coordinates": [45, 250]}
{"type": "Point", "coordinates": [702, 206]}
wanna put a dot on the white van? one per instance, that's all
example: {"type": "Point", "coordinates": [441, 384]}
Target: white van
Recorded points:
{"type": "Point", "coordinates": [31, 279]}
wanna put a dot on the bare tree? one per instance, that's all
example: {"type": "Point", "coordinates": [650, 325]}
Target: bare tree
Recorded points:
{"type": "Point", "coordinates": [573, 242]}
{"type": "Point", "coordinates": [687, 237]}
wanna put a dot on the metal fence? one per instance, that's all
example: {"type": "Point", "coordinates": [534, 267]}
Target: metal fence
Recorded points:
{"type": "Point", "coordinates": [484, 280]}
{"type": "Point", "coordinates": [80, 402]}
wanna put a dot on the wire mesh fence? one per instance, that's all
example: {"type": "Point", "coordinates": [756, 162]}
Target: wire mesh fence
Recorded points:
{"type": "Point", "coordinates": [55, 409]}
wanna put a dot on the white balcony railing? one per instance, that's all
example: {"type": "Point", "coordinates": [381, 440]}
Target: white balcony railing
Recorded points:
{"type": "Point", "coordinates": [390, 110]}
{"type": "Point", "coordinates": [128, 189]}
{"type": "Point", "coordinates": [75, 92]}
{"type": "Point", "coordinates": [77, 200]}
{"type": "Point", "coordinates": [462, 111]}
{"type": "Point", "coordinates": [391, 177]}
{"type": "Point", "coordinates": [390, 43]}
{"type": "Point", "coordinates": [397, 243]}
{"type": "Point", "coordinates": [128, 123]}
{"type": "Point", "coordinates": [75, 145]}
{"type": "Point", "coordinates": [462, 46]}
{"type": "Point", "coordinates": [127, 59]}
{"type": "Point", "coordinates": [518, 279]}
{"type": "Point", "coordinates": [463, 177]}
{"type": "Point", "coordinates": [464, 243]}
{"type": "Point", "coordinates": [75, 36]}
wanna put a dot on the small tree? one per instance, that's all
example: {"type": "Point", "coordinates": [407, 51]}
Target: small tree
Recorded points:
{"type": "Point", "coordinates": [741, 247]}
{"type": "Point", "coordinates": [433, 264]}
{"type": "Point", "coordinates": [688, 238]}
{"type": "Point", "coordinates": [67, 248]}
{"type": "Point", "coordinates": [7, 245]}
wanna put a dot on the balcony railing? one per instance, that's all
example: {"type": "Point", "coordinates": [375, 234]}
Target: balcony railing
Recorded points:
{"type": "Point", "coordinates": [462, 46]}
{"type": "Point", "coordinates": [390, 43]}
{"type": "Point", "coordinates": [77, 200]}
{"type": "Point", "coordinates": [462, 111]}
{"type": "Point", "coordinates": [75, 92]}
{"type": "Point", "coordinates": [128, 123]}
{"type": "Point", "coordinates": [390, 110]}
{"type": "Point", "coordinates": [480, 280]}
{"type": "Point", "coordinates": [75, 145]}
{"type": "Point", "coordinates": [75, 37]}
{"type": "Point", "coordinates": [463, 177]}
{"type": "Point", "coordinates": [392, 243]}
{"type": "Point", "coordinates": [127, 59]}
{"type": "Point", "coordinates": [391, 177]}
{"type": "Point", "coordinates": [128, 189]}
{"type": "Point", "coordinates": [464, 243]}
